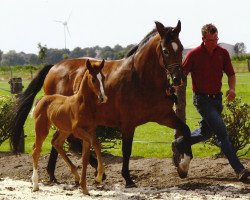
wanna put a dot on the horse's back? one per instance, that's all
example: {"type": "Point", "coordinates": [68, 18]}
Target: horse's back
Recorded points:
{"type": "Point", "coordinates": [64, 77]}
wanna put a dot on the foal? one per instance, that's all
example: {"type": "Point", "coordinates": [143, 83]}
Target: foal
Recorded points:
{"type": "Point", "coordinates": [72, 114]}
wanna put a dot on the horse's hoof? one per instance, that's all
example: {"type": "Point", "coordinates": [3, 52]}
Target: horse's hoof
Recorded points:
{"type": "Point", "coordinates": [77, 183]}
{"type": "Point", "coordinates": [181, 173]}
{"type": "Point", "coordinates": [131, 185]}
{"type": "Point", "coordinates": [176, 159]}
{"type": "Point", "coordinates": [104, 177]}
{"type": "Point", "coordinates": [53, 180]}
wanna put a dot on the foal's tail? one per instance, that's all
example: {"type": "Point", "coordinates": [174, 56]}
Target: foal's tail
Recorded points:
{"type": "Point", "coordinates": [23, 106]}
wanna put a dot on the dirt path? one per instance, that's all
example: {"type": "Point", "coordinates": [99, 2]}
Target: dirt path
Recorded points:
{"type": "Point", "coordinates": [156, 179]}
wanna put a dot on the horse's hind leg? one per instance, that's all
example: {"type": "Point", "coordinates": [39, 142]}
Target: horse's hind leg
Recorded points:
{"type": "Point", "coordinates": [58, 142]}
{"type": "Point", "coordinates": [52, 165]}
{"type": "Point", "coordinates": [41, 134]}
{"type": "Point", "coordinates": [127, 140]}
{"type": "Point", "coordinates": [100, 169]}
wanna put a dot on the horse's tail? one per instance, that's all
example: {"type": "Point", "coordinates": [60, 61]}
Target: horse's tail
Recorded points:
{"type": "Point", "coordinates": [24, 105]}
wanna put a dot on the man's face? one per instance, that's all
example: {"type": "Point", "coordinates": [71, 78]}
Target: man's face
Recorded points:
{"type": "Point", "coordinates": [210, 41]}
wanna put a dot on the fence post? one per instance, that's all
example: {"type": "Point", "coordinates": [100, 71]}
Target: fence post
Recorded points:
{"type": "Point", "coordinates": [16, 87]}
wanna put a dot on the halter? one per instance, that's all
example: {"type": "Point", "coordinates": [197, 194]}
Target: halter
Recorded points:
{"type": "Point", "coordinates": [167, 68]}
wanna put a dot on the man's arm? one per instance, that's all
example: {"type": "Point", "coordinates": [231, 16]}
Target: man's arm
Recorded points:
{"type": "Point", "coordinates": [231, 92]}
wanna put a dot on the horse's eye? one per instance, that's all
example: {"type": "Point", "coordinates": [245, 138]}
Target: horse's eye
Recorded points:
{"type": "Point", "coordinates": [165, 51]}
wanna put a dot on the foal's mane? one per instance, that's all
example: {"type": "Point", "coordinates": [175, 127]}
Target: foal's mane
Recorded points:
{"type": "Point", "coordinates": [143, 41]}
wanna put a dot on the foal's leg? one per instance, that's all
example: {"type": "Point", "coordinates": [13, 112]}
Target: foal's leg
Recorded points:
{"type": "Point", "coordinates": [58, 142]}
{"type": "Point", "coordinates": [100, 169]}
{"type": "Point", "coordinates": [52, 164]}
{"type": "Point", "coordinates": [42, 131]}
{"type": "Point", "coordinates": [85, 162]}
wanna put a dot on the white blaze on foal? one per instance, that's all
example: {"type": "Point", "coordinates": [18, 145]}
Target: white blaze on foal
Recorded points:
{"type": "Point", "coordinates": [99, 77]}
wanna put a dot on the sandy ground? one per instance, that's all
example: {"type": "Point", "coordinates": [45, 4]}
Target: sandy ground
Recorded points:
{"type": "Point", "coordinates": [155, 179]}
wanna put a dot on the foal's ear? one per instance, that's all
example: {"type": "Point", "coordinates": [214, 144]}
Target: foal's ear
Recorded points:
{"type": "Point", "coordinates": [177, 29]}
{"type": "Point", "coordinates": [160, 28]}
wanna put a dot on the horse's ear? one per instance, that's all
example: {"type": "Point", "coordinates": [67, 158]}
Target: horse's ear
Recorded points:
{"type": "Point", "coordinates": [177, 29]}
{"type": "Point", "coordinates": [160, 28]}
{"type": "Point", "coordinates": [102, 64]}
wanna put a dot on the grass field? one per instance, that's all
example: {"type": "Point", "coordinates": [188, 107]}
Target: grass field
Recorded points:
{"type": "Point", "coordinates": [151, 139]}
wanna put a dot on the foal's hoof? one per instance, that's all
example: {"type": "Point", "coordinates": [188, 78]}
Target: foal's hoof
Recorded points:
{"type": "Point", "coordinates": [103, 176]}
{"type": "Point", "coordinates": [86, 192]}
{"type": "Point", "coordinates": [35, 189]}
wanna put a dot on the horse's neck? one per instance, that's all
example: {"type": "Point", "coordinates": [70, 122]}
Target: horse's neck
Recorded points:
{"type": "Point", "coordinates": [147, 64]}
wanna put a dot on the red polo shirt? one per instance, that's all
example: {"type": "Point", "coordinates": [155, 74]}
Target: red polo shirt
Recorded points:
{"type": "Point", "coordinates": [207, 69]}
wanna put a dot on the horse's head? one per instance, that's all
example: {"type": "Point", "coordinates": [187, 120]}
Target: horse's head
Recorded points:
{"type": "Point", "coordinates": [171, 51]}
{"type": "Point", "coordinates": [96, 80]}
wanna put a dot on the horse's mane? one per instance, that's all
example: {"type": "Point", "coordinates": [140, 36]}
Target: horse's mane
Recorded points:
{"type": "Point", "coordinates": [143, 41]}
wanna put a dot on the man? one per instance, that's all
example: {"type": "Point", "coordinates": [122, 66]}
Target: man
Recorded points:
{"type": "Point", "coordinates": [206, 63]}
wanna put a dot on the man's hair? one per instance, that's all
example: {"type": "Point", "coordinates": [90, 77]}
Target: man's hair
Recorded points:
{"type": "Point", "coordinates": [208, 28]}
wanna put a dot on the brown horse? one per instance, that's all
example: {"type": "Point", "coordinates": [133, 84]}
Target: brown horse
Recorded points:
{"type": "Point", "coordinates": [74, 114]}
{"type": "Point", "coordinates": [136, 87]}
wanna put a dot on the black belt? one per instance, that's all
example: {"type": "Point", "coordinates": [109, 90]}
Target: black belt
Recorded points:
{"type": "Point", "coordinates": [212, 96]}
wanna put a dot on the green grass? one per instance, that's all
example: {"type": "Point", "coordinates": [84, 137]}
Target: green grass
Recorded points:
{"type": "Point", "coordinates": [151, 139]}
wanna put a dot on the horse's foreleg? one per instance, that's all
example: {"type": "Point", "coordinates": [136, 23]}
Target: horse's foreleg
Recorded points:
{"type": "Point", "coordinates": [58, 142]}
{"type": "Point", "coordinates": [127, 140]}
{"type": "Point", "coordinates": [174, 122]}
{"type": "Point", "coordinates": [100, 169]}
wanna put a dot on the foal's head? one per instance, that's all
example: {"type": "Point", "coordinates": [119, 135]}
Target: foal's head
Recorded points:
{"type": "Point", "coordinates": [96, 80]}
{"type": "Point", "coordinates": [171, 50]}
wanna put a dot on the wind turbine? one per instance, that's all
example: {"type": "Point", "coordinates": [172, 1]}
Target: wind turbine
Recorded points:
{"type": "Point", "coordinates": [65, 28]}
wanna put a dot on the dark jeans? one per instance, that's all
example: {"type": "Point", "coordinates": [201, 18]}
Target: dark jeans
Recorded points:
{"type": "Point", "coordinates": [210, 109]}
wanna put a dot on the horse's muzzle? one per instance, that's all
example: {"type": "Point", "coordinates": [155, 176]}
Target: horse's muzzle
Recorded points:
{"type": "Point", "coordinates": [176, 81]}
{"type": "Point", "coordinates": [102, 99]}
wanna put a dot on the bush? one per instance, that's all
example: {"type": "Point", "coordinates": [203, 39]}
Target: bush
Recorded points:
{"type": "Point", "coordinates": [236, 116]}
{"type": "Point", "coordinates": [6, 114]}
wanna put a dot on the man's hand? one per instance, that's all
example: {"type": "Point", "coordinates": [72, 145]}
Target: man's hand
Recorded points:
{"type": "Point", "coordinates": [231, 95]}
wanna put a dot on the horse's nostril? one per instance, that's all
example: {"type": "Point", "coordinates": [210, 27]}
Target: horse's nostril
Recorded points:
{"type": "Point", "coordinates": [176, 81]}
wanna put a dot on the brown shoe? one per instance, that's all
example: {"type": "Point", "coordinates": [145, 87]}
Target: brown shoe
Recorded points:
{"type": "Point", "coordinates": [243, 175]}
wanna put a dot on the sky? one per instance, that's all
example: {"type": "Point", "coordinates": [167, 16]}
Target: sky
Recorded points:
{"type": "Point", "coordinates": [25, 23]}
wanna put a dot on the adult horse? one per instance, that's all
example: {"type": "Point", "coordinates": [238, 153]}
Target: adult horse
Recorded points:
{"type": "Point", "coordinates": [136, 87]}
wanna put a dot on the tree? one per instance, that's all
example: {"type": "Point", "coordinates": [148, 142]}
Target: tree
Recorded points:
{"type": "Point", "coordinates": [76, 53]}
{"type": "Point", "coordinates": [1, 54]}
{"type": "Point", "coordinates": [42, 54]}
{"type": "Point", "coordinates": [12, 58]}
{"type": "Point", "coordinates": [239, 48]}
